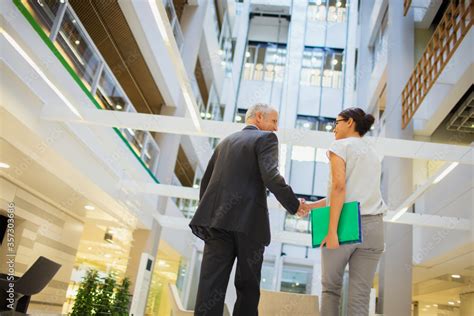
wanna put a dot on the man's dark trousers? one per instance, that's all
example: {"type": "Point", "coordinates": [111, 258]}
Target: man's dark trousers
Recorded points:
{"type": "Point", "coordinates": [220, 251]}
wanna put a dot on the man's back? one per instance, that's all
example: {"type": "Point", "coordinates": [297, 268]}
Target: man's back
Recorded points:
{"type": "Point", "coordinates": [233, 194]}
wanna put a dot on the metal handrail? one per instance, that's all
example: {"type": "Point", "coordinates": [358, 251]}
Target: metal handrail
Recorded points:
{"type": "Point", "coordinates": [451, 30]}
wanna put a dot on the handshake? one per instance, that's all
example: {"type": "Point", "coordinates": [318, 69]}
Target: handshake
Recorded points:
{"type": "Point", "coordinates": [304, 208]}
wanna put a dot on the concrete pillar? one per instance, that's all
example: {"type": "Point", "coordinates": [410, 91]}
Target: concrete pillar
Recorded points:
{"type": "Point", "coordinates": [144, 240]}
{"type": "Point", "coordinates": [191, 25]}
{"type": "Point", "coordinates": [241, 32]}
{"type": "Point", "coordinates": [395, 273]}
{"type": "Point", "coordinates": [467, 303]}
{"type": "Point", "coordinates": [295, 47]}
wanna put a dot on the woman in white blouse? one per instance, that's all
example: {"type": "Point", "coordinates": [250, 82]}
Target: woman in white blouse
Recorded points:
{"type": "Point", "coordinates": [354, 176]}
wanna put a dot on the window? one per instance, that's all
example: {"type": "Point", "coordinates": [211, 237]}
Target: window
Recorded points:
{"type": "Point", "coordinates": [265, 61]}
{"type": "Point", "coordinates": [332, 69]}
{"type": "Point", "coordinates": [322, 67]}
{"type": "Point", "coordinates": [327, 11]}
{"type": "Point", "coordinates": [380, 43]}
{"type": "Point", "coordinates": [266, 281]}
{"type": "Point", "coordinates": [240, 116]}
{"type": "Point", "coordinates": [296, 279]}
{"type": "Point", "coordinates": [311, 66]}
{"type": "Point", "coordinates": [226, 46]}
{"type": "Point", "coordinates": [314, 123]}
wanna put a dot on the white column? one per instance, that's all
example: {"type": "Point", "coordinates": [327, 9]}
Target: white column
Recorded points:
{"type": "Point", "coordinates": [191, 23]}
{"type": "Point", "coordinates": [295, 47]}
{"type": "Point", "coordinates": [395, 274]}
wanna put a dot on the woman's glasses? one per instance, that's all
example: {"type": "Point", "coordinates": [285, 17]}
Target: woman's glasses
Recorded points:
{"type": "Point", "coordinates": [337, 122]}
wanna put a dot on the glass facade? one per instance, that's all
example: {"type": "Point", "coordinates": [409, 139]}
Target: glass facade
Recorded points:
{"type": "Point", "coordinates": [322, 67]}
{"type": "Point", "coordinates": [327, 11]}
{"type": "Point", "coordinates": [265, 61]}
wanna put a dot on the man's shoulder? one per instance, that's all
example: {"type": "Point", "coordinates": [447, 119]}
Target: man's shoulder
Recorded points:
{"type": "Point", "coordinates": [251, 133]}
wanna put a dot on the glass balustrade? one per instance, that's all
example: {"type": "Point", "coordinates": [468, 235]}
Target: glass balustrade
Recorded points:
{"type": "Point", "coordinates": [174, 21]}
{"type": "Point", "coordinates": [44, 12]}
{"type": "Point", "coordinates": [226, 47]}
{"type": "Point", "coordinates": [58, 20]}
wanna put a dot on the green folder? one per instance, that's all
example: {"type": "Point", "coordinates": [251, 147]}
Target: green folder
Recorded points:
{"type": "Point", "coordinates": [348, 230]}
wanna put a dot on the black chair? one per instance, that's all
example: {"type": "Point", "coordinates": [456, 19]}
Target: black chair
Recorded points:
{"type": "Point", "coordinates": [32, 282]}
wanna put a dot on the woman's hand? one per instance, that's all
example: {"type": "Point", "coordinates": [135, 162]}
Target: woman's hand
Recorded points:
{"type": "Point", "coordinates": [331, 241]}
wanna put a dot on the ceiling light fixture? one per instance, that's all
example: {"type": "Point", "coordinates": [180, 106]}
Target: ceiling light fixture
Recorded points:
{"type": "Point", "coordinates": [455, 276]}
{"type": "Point", "coordinates": [4, 165]}
{"type": "Point", "coordinates": [89, 207]}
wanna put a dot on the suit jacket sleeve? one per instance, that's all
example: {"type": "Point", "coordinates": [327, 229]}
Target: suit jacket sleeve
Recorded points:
{"type": "Point", "coordinates": [267, 155]}
{"type": "Point", "coordinates": [207, 174]}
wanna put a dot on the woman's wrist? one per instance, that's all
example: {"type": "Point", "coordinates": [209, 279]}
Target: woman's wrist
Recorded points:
{"type": "Point", "coordinates": [332, 232]}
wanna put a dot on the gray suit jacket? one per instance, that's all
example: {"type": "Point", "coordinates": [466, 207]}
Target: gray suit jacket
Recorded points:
{"type": "Point", "coordinates": [233, 189]}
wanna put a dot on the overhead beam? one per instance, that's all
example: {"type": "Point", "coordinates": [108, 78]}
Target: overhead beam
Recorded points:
{"type": "Point", "coordinates": [183, 126]}
{"type": "Point", "coordinates": [304, 239]}
{"type": "Point", "coordinates": [417, 219]}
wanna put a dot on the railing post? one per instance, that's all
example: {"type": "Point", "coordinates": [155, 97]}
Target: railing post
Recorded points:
{"type": "Point", "coordinates": [58, 20]}
{"type": "Point", "coordinates": [95, 81]}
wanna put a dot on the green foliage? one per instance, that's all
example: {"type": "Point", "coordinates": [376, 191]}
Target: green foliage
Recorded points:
{"type": "Point", "coordinates": [105, 299]}
{"type": "Point", "coordinates": [122, 298]}
{"type": "Point", "coordinates": [86, 295]}
{"type": "Point", "coordinates": [101, 296]}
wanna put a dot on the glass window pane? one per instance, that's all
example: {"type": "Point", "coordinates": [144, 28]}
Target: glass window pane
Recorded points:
{"type": "Point", "coordinates": [76, 49]}
{"type": "Point", "coordinates": [317, 10]}
{"type": "Point", "coordinates": [264, 62]}
{"type": "Point", "coordinates": [296, 280]}
{"type": "Point", "coordinates": [109, 94]}
{"type": "Point", "coordinates": [44, 12]}
{"type": "Point", "coordinates": [311, 66]}
{"type": "Point", "coordinates": [266, 281]}
{"type": "Point", "coordinates": [332, 72]}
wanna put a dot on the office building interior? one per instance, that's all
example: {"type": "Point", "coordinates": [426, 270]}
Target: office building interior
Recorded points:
{"type": "Point", "coordinates": [110, 112]}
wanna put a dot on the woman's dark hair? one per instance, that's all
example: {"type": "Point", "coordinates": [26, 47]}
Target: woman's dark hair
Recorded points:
{"type": "Point", "coordinates": [363, 121]}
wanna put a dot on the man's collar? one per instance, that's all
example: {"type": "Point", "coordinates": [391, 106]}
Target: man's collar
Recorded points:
{"type": "Point", "coordinates": [251, 126]}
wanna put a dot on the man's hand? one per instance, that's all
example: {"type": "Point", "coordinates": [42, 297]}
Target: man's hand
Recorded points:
{"type": "Point", "coordinates": [304, 209]}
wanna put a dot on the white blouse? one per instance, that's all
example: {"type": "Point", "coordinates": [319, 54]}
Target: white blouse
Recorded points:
{"type": "Point", "coordinates": [363, 172]}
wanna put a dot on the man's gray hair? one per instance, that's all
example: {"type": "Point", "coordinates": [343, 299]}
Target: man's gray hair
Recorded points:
{"type": "Point", "coordinates": [259, 107]}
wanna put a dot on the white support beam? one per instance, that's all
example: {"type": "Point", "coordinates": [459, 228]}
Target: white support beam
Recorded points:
{"type": "Point", "coordinates": [302, 239]}
{"type": "Point", "coordinates": [434, 221]}
{"type": "Point", "coordinates": [183, 126]}
{"type": "Point", "coordinates": [160, 189]}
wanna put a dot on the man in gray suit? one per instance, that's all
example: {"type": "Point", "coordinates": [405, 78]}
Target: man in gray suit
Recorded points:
{"type": "Point", "coordinates": [232, 216]}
